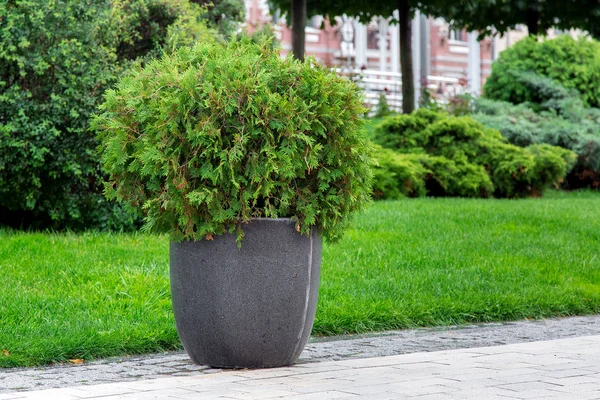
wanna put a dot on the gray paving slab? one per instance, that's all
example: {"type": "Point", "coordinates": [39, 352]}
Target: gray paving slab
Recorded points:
{"type": "Point", "coordinates": [417, 345]}
{"type": "Point", "coordinates": [374, 378]}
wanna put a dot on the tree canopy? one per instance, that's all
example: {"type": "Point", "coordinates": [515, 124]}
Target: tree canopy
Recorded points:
{"type": "Point", "coordinates": [490, 16]}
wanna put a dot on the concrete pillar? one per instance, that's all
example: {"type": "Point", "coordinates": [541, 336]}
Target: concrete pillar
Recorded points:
{"type": "Point", "coordinates": [494, 47]}
{"type": "Point", "coordinates": [474, 66]}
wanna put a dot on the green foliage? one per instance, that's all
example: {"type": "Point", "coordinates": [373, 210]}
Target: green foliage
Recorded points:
{"type": "Point", "coordinates": [575, 64]}
{"type": "Point", "coordinates": [463, 158]}
{"type": "Point", "coordinates": [146, 28]}
{"type": "Point", "coordinates": [51, 73]}
{"type": "Point", "coordinates": [490, 17]}
{"type": "Point", "coordinates": [209, 137]}
{"type": "Point", "coordinates": [396, 176]}
{"type": "Point", "coordinates": [56, 60]}
{"type": "Point", "coordinates": [266, 34]}
{"type": "Point", "coordinates": [560, 122]}
{"type": "Point", "coordinates": [446, 177]}
{"type": "Point", "coordinates": [223, 15]}
{"type": "Point", "coordinates": [412, 128]}
{"type": "Point", "coordinates": [460, 104]}
{"type": "Point", "coordinates": [382, 109]}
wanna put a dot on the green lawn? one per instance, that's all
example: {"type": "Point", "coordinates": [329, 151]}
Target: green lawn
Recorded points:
{"type": "Point", "coordinates": [403, 264]}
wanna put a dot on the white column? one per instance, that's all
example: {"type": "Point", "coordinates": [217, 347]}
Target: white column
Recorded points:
{"type": "Point", "coordinates": [474, 66]}
{"type": "Point", "coordinates": [425, 46]}
{"type": "Point", "coordinates": [395, 44]}
{"type": "Point", "coordinates": [416, 55]}
{"type": "Point", "coordinates": [383, 53]}
{"type": "Point", "coordinates": [360, 44]}
{"type": "Point", "coordinates": [494, 47]}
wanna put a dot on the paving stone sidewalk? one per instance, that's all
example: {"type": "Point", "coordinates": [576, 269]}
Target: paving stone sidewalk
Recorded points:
{"type": "Point", "coordinates": [556, 369]}
{"type": "Point", "coordinates": [177, 364]}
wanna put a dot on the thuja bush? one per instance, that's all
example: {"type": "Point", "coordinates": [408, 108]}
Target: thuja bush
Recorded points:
{"type": "Point", "coordinates": [56, 60]}
{"type": "Point", "coordinates": [463, 158]}
{"type": "Point", "coordinates": [207, 138]}
{"type": "Point", "coordinates": [573, 63]}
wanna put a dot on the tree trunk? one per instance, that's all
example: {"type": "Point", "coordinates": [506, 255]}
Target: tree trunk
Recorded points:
{"type": "Point", "coordinates": [298, 24]}
{"type": "Point", "coordinates": [406, 64]}
{"type": "Point", "coordinates": [532, 17]}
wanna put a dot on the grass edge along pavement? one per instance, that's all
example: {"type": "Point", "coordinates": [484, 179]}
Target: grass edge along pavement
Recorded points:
{"type": "Point", "coordinates": [407, 263]}
{"type": "Point", "coordinates": [321, 349]}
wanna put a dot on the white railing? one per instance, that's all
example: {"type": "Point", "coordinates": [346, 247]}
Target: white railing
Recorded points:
{"type": "Point", "coordinates": [375, 83]}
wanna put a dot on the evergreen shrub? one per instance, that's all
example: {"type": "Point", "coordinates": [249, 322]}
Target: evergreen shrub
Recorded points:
{"type": "Point", "coordinates": [396, 176]}
{"type": "Point", "coordinates": [382, 108]}
{"type": "Point", "coordinates": [575, 64]}
{"type": "Point", "coordinates": [209, 137]}
{"type": "Point", "coordinates": [461, 157]}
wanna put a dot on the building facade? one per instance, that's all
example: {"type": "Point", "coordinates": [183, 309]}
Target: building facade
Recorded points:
{"type": "Point", "coordinates": [438, 51]}
{"type": "Point", "coordinates": [447, 60]}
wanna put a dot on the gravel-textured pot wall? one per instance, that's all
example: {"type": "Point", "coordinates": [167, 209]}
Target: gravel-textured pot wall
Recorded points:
{"type": "Point", "coordinates": [248, 307]}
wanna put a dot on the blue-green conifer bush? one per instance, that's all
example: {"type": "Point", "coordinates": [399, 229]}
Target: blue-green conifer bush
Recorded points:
{"type": "Point", "coordinates": [209, 137]}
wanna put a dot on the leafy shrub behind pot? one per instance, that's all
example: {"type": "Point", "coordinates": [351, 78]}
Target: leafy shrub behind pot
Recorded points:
{"type": "Point", "coordinates": [56, 60]}
{"type": "Point", "coordinates": [398, 175]}
{"type": "Point", "coordinates": [207, 138]}
{"type": "Point", "coordinates": [446, 177]}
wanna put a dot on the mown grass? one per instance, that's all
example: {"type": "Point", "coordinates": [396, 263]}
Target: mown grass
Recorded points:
{"type": "Point", "coordinates": [91, 295]}
{"type": "Point", "coordinates": [451, 261]}
{"type": "Point", "coordinates": [405, 263]}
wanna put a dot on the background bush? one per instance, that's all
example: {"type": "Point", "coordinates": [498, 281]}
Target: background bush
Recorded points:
{"type": "Point", "coordinates": [573, 63]}
{"type": "Point", "coordinates": [395, 175]}
{"type": "Point", "coordinates": [563, 122]}
{"type": "Point", "coordinates": [56, 60]}
{"type": "Point", "coordinates": [461, 157]}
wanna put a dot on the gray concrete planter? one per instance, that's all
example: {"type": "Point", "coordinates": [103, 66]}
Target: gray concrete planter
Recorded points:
{"type": "Point", "coordinates": [252, 307]}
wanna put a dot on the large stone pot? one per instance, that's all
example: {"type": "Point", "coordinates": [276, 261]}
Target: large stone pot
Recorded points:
{"type": "Point", "coordinates": [248, 307]}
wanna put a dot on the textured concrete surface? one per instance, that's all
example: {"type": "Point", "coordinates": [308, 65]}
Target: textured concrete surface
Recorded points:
{"type": "Point", "coordinates": [556, 369]}
{"type": "Point", "coordinates": [177, 364]}
{"type": "Point", "coordinates": [247, 307]}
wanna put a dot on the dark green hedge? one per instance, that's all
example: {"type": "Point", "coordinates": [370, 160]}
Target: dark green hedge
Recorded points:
{"type": "Point", "coordinates": [56, 60]}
